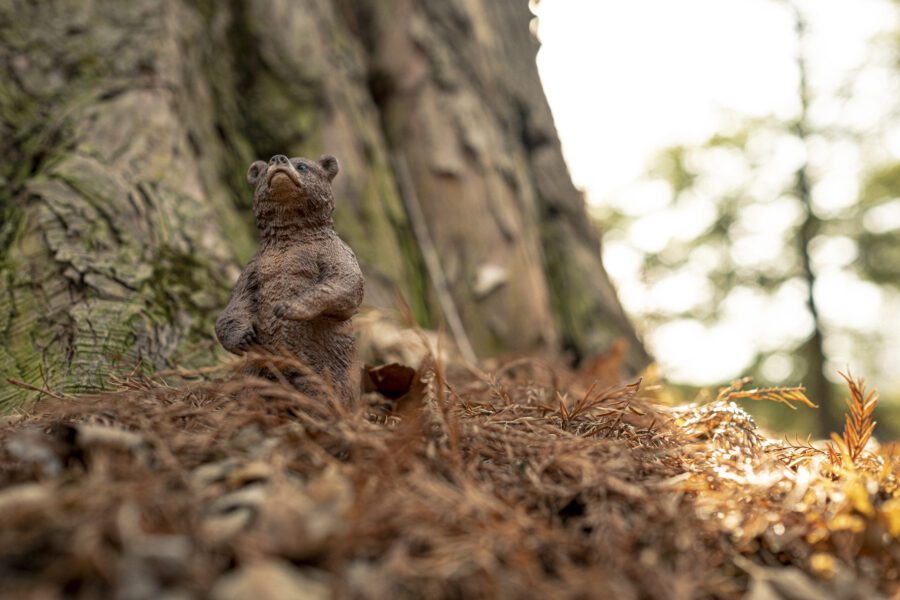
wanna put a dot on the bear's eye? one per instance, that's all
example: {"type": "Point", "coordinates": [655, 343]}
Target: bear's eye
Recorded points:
{"type": "Point", "coordinates": [301, 167]}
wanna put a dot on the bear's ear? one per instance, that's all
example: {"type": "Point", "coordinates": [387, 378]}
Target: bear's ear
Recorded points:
{"type": "Point", "coordinates": [330, 165]}
{"type": "Point", "coordinates": [255, 171]}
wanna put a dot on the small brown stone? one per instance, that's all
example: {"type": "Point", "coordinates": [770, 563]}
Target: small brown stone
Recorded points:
{"type": "Point", "coordinates": [270, 580]}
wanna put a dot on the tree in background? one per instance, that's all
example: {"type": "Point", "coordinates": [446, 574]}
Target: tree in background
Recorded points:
{"type": "Point", "coordinates": [753, 240]}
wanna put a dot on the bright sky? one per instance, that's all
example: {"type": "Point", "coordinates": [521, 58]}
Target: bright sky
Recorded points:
{"type": "Point", "coordinates": [627, 78]}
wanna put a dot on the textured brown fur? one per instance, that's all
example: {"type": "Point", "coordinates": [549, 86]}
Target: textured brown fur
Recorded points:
{"type": "Point", "coordinates": [299, 291]}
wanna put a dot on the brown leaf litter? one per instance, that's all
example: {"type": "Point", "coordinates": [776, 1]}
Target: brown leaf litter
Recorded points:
{"type": "Point", "coordinates": [525, 481]}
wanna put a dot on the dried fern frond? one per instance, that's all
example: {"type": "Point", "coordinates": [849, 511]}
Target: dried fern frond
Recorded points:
{"type": "Point", "coordinates": [735, 386]}
{"type": "Point", "coordinates": [834, 451]}
{"type": "Point", "coordinates": [784, 395]}
{"type": "Point", "coordinates": [793, 453]}
{"type": "Point", "coordinates": [858, 421]}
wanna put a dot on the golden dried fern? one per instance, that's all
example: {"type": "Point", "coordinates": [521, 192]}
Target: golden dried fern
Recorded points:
{"type": "Point", "coordinates": [858, 422]}
{"type": "Point", "coordinates": [783, 395]}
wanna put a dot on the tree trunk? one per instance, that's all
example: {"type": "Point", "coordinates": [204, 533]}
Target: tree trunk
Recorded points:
{"type": "Point", "coordinates": [126, 130]}
{"type": "Point", "coordinates": [818, 388]}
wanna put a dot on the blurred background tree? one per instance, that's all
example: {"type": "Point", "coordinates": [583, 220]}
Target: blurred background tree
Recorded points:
{"type": "Point", "coordinates": [754, 236]}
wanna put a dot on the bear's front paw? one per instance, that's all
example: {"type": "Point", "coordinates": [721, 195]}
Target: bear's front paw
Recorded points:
{"type": "Point", "coordinates": [246, 341]}
{"type": "Point", "coordinates": [236, 335]}
{"type": "Point", "coordinates": [282, 310]}
{"type": "Point", "coordinates": [293, 311]}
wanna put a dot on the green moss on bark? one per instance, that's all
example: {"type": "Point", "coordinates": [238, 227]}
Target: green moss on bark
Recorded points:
{"type": "Point", "coordinates": [119, 240]}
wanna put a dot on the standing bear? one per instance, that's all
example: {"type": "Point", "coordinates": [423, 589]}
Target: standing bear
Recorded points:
{"type": "Point", "coordinates": [297, 294]}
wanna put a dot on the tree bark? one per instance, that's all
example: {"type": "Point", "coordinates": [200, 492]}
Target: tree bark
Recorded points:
{"type": "Point", "coordinates": [119, 238]}
{"type": "Point", "coordinates": [126, 130]}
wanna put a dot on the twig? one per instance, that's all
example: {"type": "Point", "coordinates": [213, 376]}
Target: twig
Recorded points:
{"type": "Point", "coordinates": [34, 388]}
{"type": "Point", "coordinates": [430, 255]}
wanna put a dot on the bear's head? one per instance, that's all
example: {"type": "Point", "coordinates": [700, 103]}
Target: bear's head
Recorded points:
{"type": "Point", "coordinates": [292, 192]}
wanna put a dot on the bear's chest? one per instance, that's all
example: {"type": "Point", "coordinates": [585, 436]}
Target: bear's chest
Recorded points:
{"type": "Point", "coordinates": [286, 270]}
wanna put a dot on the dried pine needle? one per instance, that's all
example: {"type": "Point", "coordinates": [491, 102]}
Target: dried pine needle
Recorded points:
{"type": "Point", "coordinates": [523, 482]}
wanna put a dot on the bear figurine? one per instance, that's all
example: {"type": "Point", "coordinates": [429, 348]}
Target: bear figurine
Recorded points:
{"type": "Point", "coordinates": [299, 291]}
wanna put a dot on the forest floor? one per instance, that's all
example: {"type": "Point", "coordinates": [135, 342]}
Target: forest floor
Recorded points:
{"type": "Point", "coordinates": [526, 480]}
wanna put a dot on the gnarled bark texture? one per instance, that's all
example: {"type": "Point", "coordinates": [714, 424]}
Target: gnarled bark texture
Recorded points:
{"type": "Point", "coordinates": [126, 129]}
